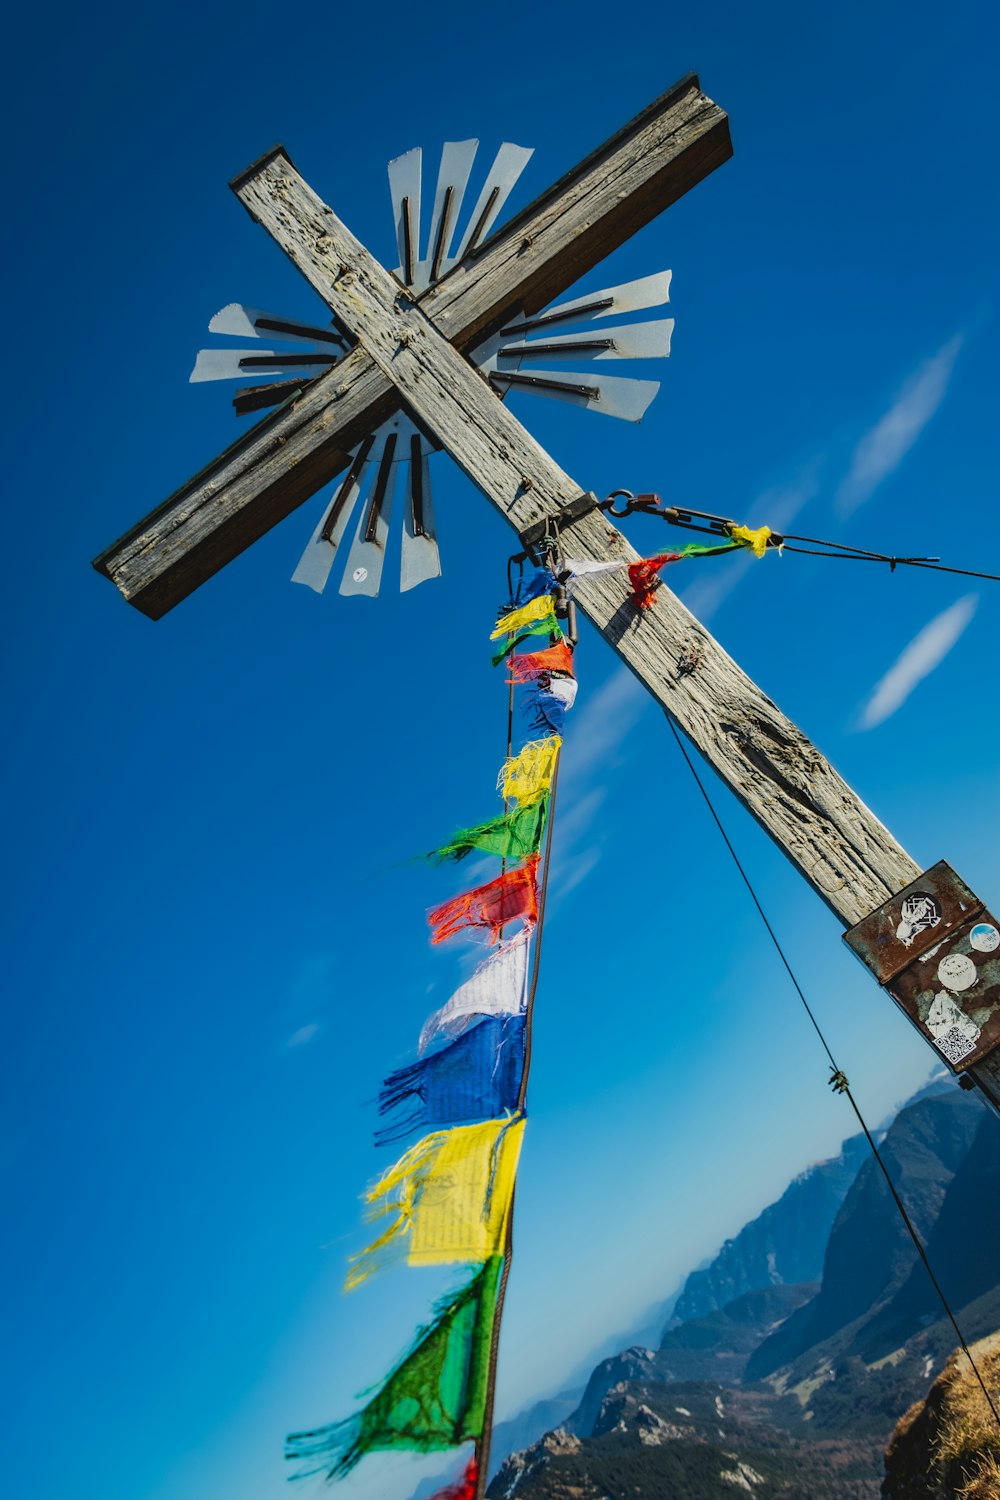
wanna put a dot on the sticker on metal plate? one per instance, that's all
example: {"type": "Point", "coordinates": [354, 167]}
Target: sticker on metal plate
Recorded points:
{"type": "Point", "coordinates": [953, 994]}
{"type": "Point", "coordinates": [913, 921]}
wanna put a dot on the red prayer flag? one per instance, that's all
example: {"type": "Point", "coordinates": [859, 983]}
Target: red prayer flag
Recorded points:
{"type": "Point", "coordinates": [513, 896]}
{"type": "Point", "coordinates": [644, 576]}
{"type": "Point", "coordinates": [558, 658]}
{"type": "Point", "coordinates": [466, 1487]}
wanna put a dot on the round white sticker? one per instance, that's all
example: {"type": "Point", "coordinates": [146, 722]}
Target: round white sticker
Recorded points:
{"type": "Point", "coordinates": [360, 574]}
{"type": "Point", "coordinates": [957, 972]}
{"type": "Point", "coordinates": [984, 937]}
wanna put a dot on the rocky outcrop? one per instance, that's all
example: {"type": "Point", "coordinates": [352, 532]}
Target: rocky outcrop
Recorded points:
{"type": "Point", "coordinates": [948, 1445]}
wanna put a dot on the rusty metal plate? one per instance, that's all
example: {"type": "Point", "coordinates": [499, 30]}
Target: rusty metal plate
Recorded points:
{"type": "Point", "coordinates": [913, 921]}
{"type": "Point", "coordinates": [936, 949]}
{"type": "Point", "coordinates": [953, 992]}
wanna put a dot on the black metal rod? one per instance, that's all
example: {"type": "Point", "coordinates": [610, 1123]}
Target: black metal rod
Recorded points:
{"type": "Point", "coordinates": [560, 315]}
{"type": "Point", "coordinates": [565, 346]}
{"type": "Point", "coordinates": [340, 498]}
{"type": "Point", "coordinates": [476, 234]}
{"type": "Point", "coordinates": [407, 243]}
{"type": "Point", "coordinates": [539, 382]}
{"type": "Point", "coordinates": [300, 330]}
{"type": "Point", "coordinates": [417, 485]}
{"type": "Point", "coordinates": [263, 361]}
{"type": "Point", "coordinates": [381, 485]}
{"type": "Point", "coordinates": [443, 233]}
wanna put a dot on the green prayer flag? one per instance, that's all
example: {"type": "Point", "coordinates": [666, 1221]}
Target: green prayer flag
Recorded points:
{"type": "Point", "coordinates": [435, 1399]}
{"type": "Point", "coordinates": [547, 625]}
{"type": "Point", "coordinates": [512, 835]}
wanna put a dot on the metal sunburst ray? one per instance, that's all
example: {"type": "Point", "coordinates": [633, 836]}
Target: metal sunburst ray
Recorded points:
{"type": "Point", "coordinates": [501, 359]}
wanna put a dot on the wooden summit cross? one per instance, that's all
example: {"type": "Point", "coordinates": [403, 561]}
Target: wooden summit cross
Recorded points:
{"type": "Point", "coordinates": [410, 353]}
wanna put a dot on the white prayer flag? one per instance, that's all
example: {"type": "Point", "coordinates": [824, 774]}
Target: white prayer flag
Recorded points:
{"type": "Point", "coordinates": [497, 988]}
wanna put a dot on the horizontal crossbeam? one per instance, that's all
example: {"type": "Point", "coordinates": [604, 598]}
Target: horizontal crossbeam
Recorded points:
{"type": "Point", "coordinates": [668, 148]}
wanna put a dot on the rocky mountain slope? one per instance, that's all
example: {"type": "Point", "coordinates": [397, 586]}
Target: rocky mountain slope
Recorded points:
{"type": "Point", "coordinates": [794, 1389]}
{"type": "Point", "coordinates": [784, 1244]}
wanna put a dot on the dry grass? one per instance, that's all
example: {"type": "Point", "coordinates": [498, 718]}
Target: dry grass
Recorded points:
{"type": "Point", "coordinates": [968, 1427]}
{"type": "Point", "coordinates": [983, 1483]}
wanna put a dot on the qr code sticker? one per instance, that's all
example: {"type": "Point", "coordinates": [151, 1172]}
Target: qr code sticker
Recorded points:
{"type": "Point", "coordinates": [954, 1044]}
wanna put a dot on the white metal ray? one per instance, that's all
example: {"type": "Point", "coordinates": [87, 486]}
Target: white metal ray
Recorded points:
{"type": "Point", "coordinates": [609, 394]}
{"type": "Point", "coordinates": [230, 364]}
{"type": "Point", "coordinates": [366, 559]}
{"type": "Point", "coordinates": [509, 164]}
{"type": "Point", "coordinates": [610, 302]}
{"type": "Point", "coordinates": [457, 158]}
{"type": "Point", "coordinates": [316, 561]}
{"type": "Point", "coordinates": [404, 186]}
{"type": "Point", "coordinates": [419, 557]}
{"type": "Point", "coordinates": [630, 341]}
{"type": "Point", "coordinates": [236, 320]}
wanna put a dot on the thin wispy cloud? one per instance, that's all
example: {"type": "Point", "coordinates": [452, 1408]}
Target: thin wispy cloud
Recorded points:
{"type": "Point", "coordinates": [304, 1035]}
{"type": "Point", "coordinates": [596, 735]}
{"type": "Point", "coordinates": [927, 649]}
{"type": "Point", "coordinates": [884, 446]}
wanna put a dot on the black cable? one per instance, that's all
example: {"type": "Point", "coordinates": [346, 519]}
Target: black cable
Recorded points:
{"type": "Point", "coordinates": [839, 1079]}
{"type": "Point", "coordinates": [845, 554]}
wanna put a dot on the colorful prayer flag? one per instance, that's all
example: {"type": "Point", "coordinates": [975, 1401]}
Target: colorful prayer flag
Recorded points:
{"type": "Point", "coordinates": [756, 540]}
{"type": "Point", "coordinates": [465, 1489]}
{"type": "Point", "coordinates": [546, 625]}
{"type": "Point", "coordinates": [530, 771]}
{"type": "Point", "coordinates": [557, 658]}
{"type": "Point", "coordinates": [434, 1399]}
{"type": "Point", "coordinates": [512, 897]}
{"type": "Point", "coordinates": [498, 987]}
{"type": "Point", "coordinates": [542, 581]}
{"type": "Point", "coordinates": [643, 576]}
{"type": "Point", "coordinates": [525, 614]}
{"type": "Point", "coordinates": [449, 1196]}
{"type": "Point", "coordinates": [512, 835]}
{"type": "Point", "coordinates": [476, 1077]}
{"type": "Point", "coordinates": [549, 703]}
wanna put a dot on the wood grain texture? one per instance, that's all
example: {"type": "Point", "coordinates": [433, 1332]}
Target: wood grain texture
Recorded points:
{"type": "Point", "coordinates": [647, 165]}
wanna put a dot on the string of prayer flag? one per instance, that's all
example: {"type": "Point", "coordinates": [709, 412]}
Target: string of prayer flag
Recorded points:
{"type": "Point", "coordinates": [447, 1198]}
{"type": "Point", "coordinates": [512, 897]}
{"type": "Point", "coordinates": [433, 1400]}
{"type": "Point", "coordinates": [499, 987]}
{"type": "Point", "coordinates": [476, 1077]}
{"type": "Point", "coordinates": [512, 835]}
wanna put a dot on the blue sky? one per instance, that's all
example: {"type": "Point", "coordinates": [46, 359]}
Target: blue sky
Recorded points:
{"type": "Point", "coordinates": [215, 946]}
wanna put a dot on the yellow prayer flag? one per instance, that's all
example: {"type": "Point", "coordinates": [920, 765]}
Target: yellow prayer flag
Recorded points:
{"type": "Point", "coordinates": [516, 619]}
{"type": "Point", "coordinates": [529, 772]}
{"type": "Point", "coordinates": [755, 540]}
{"type": "Point", "coordinates": [450, 1196]}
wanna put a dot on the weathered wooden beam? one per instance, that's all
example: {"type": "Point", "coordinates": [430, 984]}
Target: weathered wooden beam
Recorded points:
{"type": "Point", "coordinates": [835, 841]}
{"type": "Point", "coordinates": [293, 452]}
